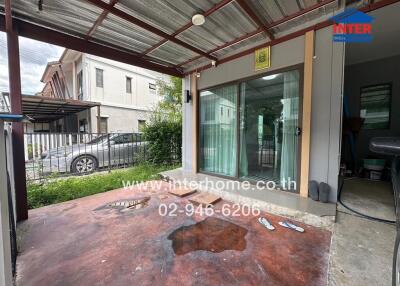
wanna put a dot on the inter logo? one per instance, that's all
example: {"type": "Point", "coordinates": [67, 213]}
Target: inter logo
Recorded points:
{"type": "Point", "coordinates": [352, 26]}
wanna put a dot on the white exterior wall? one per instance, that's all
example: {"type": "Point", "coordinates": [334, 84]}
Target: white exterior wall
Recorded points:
{"type": "Point", "coordinates": [120, 119]}
{"type": "Point", "coordinates": [122, 109]}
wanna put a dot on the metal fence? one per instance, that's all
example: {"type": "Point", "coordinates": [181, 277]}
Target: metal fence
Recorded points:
{"type": "Point", "coordinates": [60, 154]}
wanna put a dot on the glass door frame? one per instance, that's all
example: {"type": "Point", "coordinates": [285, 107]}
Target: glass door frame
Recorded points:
{"type": "Point", "coordinates": [300, 69]}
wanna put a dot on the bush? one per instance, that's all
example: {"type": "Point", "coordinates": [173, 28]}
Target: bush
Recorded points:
{"type": "Point", "coordinates": [164, 141]}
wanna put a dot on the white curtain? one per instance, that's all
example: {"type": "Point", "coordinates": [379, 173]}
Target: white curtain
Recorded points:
{"type": "Point", "coordinates": [218, 130]}
{"type": "Point", "coordinates": [290, 115]}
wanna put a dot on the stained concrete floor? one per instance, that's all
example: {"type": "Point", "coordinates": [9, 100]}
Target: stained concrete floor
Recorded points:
{"type": "Point", "coordinates": [85, 242]}
{"type": "Point", "coordinates": [362, 250]}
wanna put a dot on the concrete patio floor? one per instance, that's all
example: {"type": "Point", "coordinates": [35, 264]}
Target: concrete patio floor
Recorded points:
{"type": "Point", "coordinates": [362, 250]}
{"type": "Point", "coordinates": [81, 242]}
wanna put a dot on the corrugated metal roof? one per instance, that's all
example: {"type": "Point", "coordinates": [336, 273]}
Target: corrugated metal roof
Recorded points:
{"type": "Point", "coordinates": [166, 15]}
{"type": "Point", "coordinates": [216, 31]}
{"type": "Point", "coordinates": [222, 25]}
{"type": "Point", "coordinates": [127, 35]}
{"type": "Point", "coordinates": [172, 53]}
{"type": "Point", "coordinates": [73, 15]}
{"type": "Point", "coordinates": [243, 45]}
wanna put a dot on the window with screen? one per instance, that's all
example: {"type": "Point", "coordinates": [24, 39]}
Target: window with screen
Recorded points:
{"type": "Point", "coordinates": [141, 125]}
{"type": "Point", "coordinates": [83, 125]}
{"type": "Point", "coordinates": [99, 78]}
{"type": "Point", "coordinates": [375, 106]}
{"type": "Point", "coordinates": [103, 125]}
{"type": "Point", "coordinates": [128, 85]}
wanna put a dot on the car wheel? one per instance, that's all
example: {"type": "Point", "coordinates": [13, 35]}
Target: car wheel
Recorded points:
{"type": "Point", "coordinates": [396, 262]}
{"type": "Point", "coordinates": [84, 164]}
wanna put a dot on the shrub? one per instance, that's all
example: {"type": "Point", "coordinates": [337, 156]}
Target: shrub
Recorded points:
{"type": "Point", "coordinates": [164, 141]}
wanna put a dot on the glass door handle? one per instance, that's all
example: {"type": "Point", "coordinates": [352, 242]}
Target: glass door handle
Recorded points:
{"type": "Point", "coordinates": [298, 131]}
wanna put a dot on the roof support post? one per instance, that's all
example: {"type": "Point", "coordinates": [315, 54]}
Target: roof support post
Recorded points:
{"type": "Point", "coordinates": [306, 120]}
{"type": "Point", "coordinates": [21, 196]}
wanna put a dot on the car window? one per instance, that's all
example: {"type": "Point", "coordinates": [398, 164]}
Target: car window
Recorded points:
{"type": "Point", "coordinates": [125, 138]}
{"type": "Point", "coordinates": [100, 139]}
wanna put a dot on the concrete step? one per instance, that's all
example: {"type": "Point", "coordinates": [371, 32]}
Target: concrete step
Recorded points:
{"type": "Point", "coordinates": [280, 203]}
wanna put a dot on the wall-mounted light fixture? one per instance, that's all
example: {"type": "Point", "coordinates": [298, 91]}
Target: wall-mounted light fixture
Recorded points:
{"type": "Point", "coordinates": [188, 96]}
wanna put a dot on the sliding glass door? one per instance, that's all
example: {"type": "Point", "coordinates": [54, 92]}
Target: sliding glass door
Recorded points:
{"type": "Point", "coordinates": [266, 136]}
{"type": "Point", "coordinates": [269, 128]}
{"type": "Point", "coordinates": [218, 130]}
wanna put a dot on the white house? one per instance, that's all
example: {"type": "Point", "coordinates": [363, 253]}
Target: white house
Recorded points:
{"type": "Point", "coordinates": [127, 94]}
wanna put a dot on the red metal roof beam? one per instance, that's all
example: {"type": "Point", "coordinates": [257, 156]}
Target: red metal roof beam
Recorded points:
{"type": "Point", "coordinates": [148, 27]}
{"type": "Point", "coordinates": [99, 20]}
{"type": "Point", "coordinates": [245, 6]}
{"type": "Point", "coordinates": [207, 13]}
{"type": "Point", "coordinates": [68, 41]}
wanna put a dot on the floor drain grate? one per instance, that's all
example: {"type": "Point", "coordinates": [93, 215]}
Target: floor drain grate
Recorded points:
{"type": "Point", "coordinates": [129, 204]}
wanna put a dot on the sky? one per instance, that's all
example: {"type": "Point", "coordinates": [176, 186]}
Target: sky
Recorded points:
{"type": "Point", "coordinates": [34, 56]}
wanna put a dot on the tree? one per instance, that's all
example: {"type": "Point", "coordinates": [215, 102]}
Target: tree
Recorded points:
{"type": "Point", "coordinates": [163, 133]}
{"type": "Point", "coordinates": [170, 106]}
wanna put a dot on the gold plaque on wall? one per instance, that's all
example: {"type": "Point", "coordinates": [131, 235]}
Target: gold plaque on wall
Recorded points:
{"type": "Point", "coordinates": [262, 58]}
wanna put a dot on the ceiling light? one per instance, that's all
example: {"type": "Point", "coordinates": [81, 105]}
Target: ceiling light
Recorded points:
{"type": "Point", "coordinates": [198, 20]}
{"type": "Point", "coordinates": [269, 77]}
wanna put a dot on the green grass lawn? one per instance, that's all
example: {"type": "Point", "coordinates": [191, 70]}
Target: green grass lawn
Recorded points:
{"type": "Point", "coordinates": [61, 190]}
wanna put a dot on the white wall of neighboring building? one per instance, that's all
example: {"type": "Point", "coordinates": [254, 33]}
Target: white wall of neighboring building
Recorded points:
{"type": "Point", "coordinates": [122, 109]}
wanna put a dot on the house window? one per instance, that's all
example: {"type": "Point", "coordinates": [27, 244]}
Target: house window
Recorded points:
{"type": "Point", "coordinates": [141, 125]}
{"type": "Point", "coordinates": [79, 79]}
{"type": "Point", "coordinates": [99, 77]}
{"type": "Point", "coordinates": [83, 125]}
{"type": "Point", "coordinates": [375, 106]}
{"type": "Point", "coordinates": [128, 85]}
{"type": "Point", "coordinates": [103, 125]}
